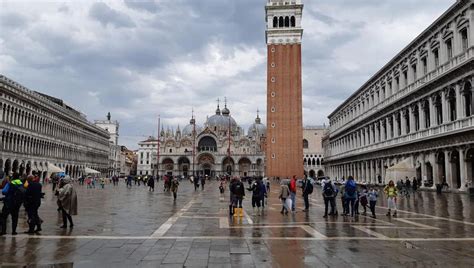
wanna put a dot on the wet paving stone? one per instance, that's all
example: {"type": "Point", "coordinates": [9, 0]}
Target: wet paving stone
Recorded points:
{"type": "Point", "coordinates": [136, 228]}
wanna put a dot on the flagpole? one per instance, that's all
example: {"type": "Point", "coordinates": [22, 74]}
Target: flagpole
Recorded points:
{"type": "Point", "coordinates": [158, 151]}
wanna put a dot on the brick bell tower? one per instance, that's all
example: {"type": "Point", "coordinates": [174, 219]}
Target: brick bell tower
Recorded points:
{"type": "Point", "coordinates": [284, 149]}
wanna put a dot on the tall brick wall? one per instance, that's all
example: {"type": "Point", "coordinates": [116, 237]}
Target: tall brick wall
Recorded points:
{"type": "Point", "coordinates": [284, 93]}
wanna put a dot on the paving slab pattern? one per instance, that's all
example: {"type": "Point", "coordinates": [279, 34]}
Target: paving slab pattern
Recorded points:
{"type": "Point", "coordinates": [123, 227]}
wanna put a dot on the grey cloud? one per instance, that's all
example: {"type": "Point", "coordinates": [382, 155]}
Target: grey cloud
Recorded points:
{"type": "Point", "coordinates": [145, 5]}
{"type": "Point", "coordinates": [12, 20]}
{"type": "Point", "coordinates": [110, 60]}
{"type": "Point", "coordinates": [106, 15]}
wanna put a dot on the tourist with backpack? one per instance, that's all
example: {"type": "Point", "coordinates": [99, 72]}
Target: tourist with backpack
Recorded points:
{"type": "Point", "coordinates": [329, 196]}
{"type": "Point", "coordinates": [14, 193]}
{"type": "Point", "coordinates": [284, 195]}
{"type": "Point", "coordinates": [372, 196]}
{"type": "Point", "coordinates": [257, 195]}
{"type": "Point", "coordinates": [293, 193]}
{"type": "Point", "coordinates": [237, 191]}
{"type": "Point", "coordinates": [350, 195]}
{"type": "Point", "coordinates": [307, 188]}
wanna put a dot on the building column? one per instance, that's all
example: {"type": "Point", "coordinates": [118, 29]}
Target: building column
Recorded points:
{"type": "Point", "coordinates": [424, 172]}
{"type": "Point", "coordinates": [403, 123]}
{"type": "Point", "coordinates": [411, 115]}
{"type": "Point", "coordinates": [459, 103]}
{"type": "Point", "coordinates": [463, 169]}
{"type": "Point", "coordinates": [445, 107]}
{"type": "Point", "coordinates": [448, 169]}
{"type": "Point", "coordinates": [383, 130]}
{"type": "Point", "coordinates": [435, 166]}
{"type": "Point", "coordinates": [432, 112]}
{"type": "Point", "coordinates": [377, 171]}
{"type": "Point", "coordinates": [389, 128]}
{"type": "Point", "coordinates": [421, 115]}
{"type": "Point", "coordinates": [395, 126]}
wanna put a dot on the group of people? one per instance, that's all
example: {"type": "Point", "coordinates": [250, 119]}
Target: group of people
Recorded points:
{"type": "Point", "coordinates": [353, 196]}
{"type": "Point", "coordinates": [26, 191]}
{"type": "Point", "coordinates": [257, 185]}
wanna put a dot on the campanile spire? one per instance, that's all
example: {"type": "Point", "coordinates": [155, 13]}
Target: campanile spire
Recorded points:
{"type": "Point", "coordinates": [284, 33]}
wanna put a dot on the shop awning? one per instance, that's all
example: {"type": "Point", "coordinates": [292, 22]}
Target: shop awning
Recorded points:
{"type": "Point", "coordinates": [91, 171]}
{"type": "Point", "coordinates": [54, 169]}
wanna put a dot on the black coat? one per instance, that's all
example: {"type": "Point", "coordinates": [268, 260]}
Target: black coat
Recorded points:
{"type": "Point", "coordinates": [33, 194]}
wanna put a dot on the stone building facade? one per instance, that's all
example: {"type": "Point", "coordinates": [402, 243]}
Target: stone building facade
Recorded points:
{"type": "Point", "coordinates": [419, 107]}
{"type": "Point", "coordinates": [116, 159]}
{"type": "Point", "coordinates": [38, 131]}
{"type": "Point", "coordinates": [284, 88]}
{"type": "Point", "coordinates": [218, 148]}
{"type": "Point", "coordinates": [313, 154]}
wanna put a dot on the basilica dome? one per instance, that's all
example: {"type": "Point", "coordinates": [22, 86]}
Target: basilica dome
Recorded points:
{"type": "Point", "coordinates": [188, 130]}
{"type": "Point", "coordinates": [220, 121]}
{"type": "Point", "coordinates": [257, 129]}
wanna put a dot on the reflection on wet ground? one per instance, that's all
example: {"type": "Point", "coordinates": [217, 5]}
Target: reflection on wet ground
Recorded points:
{"type": "Point", "coordinates": [123, 227]}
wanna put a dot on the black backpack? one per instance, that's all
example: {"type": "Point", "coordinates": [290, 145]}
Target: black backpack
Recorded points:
{"type": "Point", "coordinates": [309, 187]}
{"type": "Point", "coordinates": [328, 190]}
{"type": "Point", "coordinates": [18, 196]}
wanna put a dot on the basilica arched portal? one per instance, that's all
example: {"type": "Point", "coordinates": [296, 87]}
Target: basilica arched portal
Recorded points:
{"type": "Point", "coordinates": [206, 165]}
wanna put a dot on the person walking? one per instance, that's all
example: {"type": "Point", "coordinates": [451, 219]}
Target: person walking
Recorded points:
{"type": "Point", "coordinates": [102, 182]}
{"type": "Point", "coordinates": [196, 183]}
{"type": "Point", "coordinates": [237, 190]}
{"type": "Point", "coordinates": [363, 199]}
{"type": "Point", "coordinates": [415, 185]}
{"type": "Point", "coordinates": [392, 192]}
{"type": "Point", "coordinates": [257, 195]}
{"type": "Point", "coordinates": [174, 188]}
{"type": "Point", "coordinates": [203, 182]}
{"type": "Point", "coordinates": [350, 195]}
{"type": "Point", "coordinates": [284, 195]}
{"type": "Point", "coordinates": [14, 193]}
{"type": "Point", "coordinates": [372, 196]}
{"type": "Point", "coordinates": [151, 184]}
{"type": "Point", "coordinates": [33, 195]}
{"type": "Point", "coordinates": [293, 193]}
{"type": "Point", "coordinates": [67, 200]}
{"type": "Point", "coordinates": [329, 196]}
{"type": "Point", "coordinates": [307, 189]}
{"type": "Point", "coordinates": [129, 181]}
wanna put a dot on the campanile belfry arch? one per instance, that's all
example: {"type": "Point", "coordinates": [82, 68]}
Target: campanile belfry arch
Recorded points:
{"type": "Point", "coordinates": [284, 148]}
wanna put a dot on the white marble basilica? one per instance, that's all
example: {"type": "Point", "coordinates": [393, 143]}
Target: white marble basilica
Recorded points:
{"type": "Point", "coordinates": [220, 147]}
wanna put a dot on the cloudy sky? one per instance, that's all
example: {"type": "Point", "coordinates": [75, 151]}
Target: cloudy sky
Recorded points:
{"type": "Point", "coordinates": [141, 58]}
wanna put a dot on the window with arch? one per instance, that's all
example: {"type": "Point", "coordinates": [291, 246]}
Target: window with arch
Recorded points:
{"type": "Point", "coordinates": [439, 110]}
{"type": "Point", "coordinates": [464, 39]}
{"type": "Point", "coordinates": [275, 22]}
{"type": "Point", "coordinates": [281, 22]}
{"type": "Point", "coordinates": [293, 21]}
{"type": "Point", "coordinates": [467, 92]}
{"type": "Point", "coordinates": [305, 144]}
{"type": "Point", "coordinates": [452, 104]}
{"type": "Point", "coordinates": [287, 22]}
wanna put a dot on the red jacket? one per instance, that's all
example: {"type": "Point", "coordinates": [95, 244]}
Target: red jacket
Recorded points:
{"type": "Point", "coordinates": [293, 185]}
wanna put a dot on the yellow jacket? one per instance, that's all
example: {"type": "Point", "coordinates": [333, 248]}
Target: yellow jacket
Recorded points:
{"type": "Point", "coordinates": [391, 191]}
